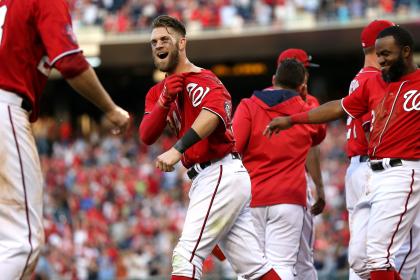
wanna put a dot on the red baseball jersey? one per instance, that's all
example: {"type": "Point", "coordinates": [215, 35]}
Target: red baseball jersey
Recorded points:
{"type": "Point", "coordinates": [312, 101]}
{"type": "Point", "coordinates": [276, 165]}
{"type": "Point", "coordinates": [202, 90]}
{"type": "Point", "coordinates": [34, 34]}
{"type": "Point", "coordinates": [395, 128]}
{"type": "Point", "coordinates": [357, 144]}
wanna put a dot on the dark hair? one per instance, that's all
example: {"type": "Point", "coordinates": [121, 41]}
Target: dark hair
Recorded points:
{"type": "Point", "coordinates": [167, 21]}
{"type": "Point", "coordinates": [290, 74]}
{"type": "Point", "coordinates": [401, 36]}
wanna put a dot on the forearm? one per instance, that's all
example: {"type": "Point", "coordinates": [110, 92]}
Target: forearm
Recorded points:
{"type": "Point", "coordinates": [327, 112]}
{"type": "Point", "coordinates": [153, 124]}
{"type": "Point", "coordinates": [313, 167]}
{"type": "Point", "coordinates": [88, 85]}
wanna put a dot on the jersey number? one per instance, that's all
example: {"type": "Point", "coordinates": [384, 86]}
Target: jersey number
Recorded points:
{"type": "Point", "coordinates": [3, 11]}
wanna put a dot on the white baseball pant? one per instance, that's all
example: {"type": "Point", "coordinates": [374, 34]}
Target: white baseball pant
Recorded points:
{"type": "Point", "coordinates": [356, 180]}
{"type": "Point", "coordinates": [305, 268]}
{"type": "Point", "coordinates": [219, 213]}
{"type": "Point", "coordinates": [279, 230]}
{"type": "Point", "coordinates": [385, 216]}
{"type": "Point", "coordinates": [21, 231]}
{"type": "Point", "coordinates": [408, 256]}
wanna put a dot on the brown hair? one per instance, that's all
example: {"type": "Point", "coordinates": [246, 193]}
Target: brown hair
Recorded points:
{"type": "Point", "coordinates": [167, 21]}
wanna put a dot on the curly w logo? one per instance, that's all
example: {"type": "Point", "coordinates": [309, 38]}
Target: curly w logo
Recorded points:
{"type": "Point", "coordinates": [412, 100]}
{"type": "Point", "coordinates": [196, 93]}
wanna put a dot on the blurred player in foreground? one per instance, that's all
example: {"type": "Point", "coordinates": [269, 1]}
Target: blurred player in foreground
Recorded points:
{"type": "Point", "coordinates": [35, 36]}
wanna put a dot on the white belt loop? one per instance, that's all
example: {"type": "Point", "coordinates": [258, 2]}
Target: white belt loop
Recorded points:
{"type": "Point", "coordinates": [355, 159]}
{"type": "Point", "coordinates": [10, 98]}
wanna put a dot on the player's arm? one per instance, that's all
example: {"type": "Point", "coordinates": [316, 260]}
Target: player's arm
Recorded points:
{"type": "Point", "coordinates": [82, 78]}
{"type": "Point", "coordinates": [242, 126]}
{"type": "Point", "coordinates": [314, 169]}
{"type": "Point", "coordinates": [154, 122]}
{"type": "Point", "coordinates": [327, 112]}
{"type": "Point", "coordinates": [203, 126]}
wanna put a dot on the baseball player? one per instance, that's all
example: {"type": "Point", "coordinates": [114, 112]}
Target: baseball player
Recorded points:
{"type": "Point", "coordinates": [277, 165]}
{"type": "Point", "coordinates": [34, 37]}
{"type": "Point", "coordinates": [218, 212]}
{"type": "Point", "coordinates": [390, 205]}
{"type": "Point", "coordinates": [305, 262]}
{"type": "Point", "coordinates": [358, 171]}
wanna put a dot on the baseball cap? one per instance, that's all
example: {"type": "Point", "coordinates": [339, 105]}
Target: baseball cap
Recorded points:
{"type": "Point", "coordinates": [371, 31]}
{"type": "Point", "coordinates": [298, 54]}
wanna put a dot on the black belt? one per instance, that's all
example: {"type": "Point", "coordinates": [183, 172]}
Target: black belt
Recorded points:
{"type": "Point", "coordinates": [378, 166]}
{"type": "Point", "coordinates": [192, 172]}
{"type": "Point", "coordinates": [26, 105]}
{"type": "Point", "coordinates": [363, 158]}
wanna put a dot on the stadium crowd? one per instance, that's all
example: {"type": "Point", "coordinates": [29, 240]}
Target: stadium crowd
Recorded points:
{"type": "Point", "coordinates": [136, 15]}
{"type": "Point", "coordinates": [110, 214]}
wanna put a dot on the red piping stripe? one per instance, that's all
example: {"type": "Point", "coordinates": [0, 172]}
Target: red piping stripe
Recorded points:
{"type": "Point", "coordinates": [409, 251]}
{"type": "Point", "coordinates": [401, 216]}
{"type": "Point", "coordinates": [24, 192]}
{"type": "Point", "coordinates": [208, 213]}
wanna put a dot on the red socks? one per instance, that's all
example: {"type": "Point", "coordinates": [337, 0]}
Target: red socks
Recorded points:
{"type": "Point", "coordinates": [384, 275]}
{"type": "Point", "coordinates": [271, 275]}
{"type": "Point", "coordinates": [176, 277]}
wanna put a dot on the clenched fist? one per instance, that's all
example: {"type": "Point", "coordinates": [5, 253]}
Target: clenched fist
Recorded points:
{"type": "Point", "coordinates": [173, 85]}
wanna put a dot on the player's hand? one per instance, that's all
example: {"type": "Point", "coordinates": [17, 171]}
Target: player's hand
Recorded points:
{"type": "Point", "coordinates": [173, 85]}
{"type": "Point", "coordinates": [277, 124]}
{"type": "Point", "coordinates": [119, 118]}
{"type": "Point", "coordinates": [318, 207]}
{"type": "Point", "coordinates": [166, 161]}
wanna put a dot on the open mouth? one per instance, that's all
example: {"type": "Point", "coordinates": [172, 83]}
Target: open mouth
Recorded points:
{"type": "Point", "coordinates": [162, 55]}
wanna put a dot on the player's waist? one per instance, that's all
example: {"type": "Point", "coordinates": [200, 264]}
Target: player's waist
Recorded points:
{"type": "Point", "coordinates": [199, 167]}
{"type": "Point", "coordinates": [386, 163]}
{"type": "Point", "coordinates": [359, 159]}
{"type": "Point", "coordinates": [15, 99]}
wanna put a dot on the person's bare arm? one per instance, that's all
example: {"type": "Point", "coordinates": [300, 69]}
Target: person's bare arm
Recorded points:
{"type": "Point", "coordinates": [314, 169]}
{"type": "Point", "coordinates": [327, 112]}
{"type": "Point", "coordinates": [203, 126]}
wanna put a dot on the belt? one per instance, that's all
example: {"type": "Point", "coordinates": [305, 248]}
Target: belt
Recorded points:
{"type": "Point", "coordinates": [363, 158]}
{"type": "Point", "coordinates": [382, 164]}
{"type": "Point", "coordinates": [197, 168]}
{"type": "Point", "coordinates": [15, 99]}
{"type": "Point", "coordinates": [359, 159]}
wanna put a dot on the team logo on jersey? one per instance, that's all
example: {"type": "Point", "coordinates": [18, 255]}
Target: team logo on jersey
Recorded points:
{"type": "Point", "coordinates": [412, 100]}
{"type": "Point", "coordinates": [196, 93]}
{"type": "Point", "coordinates": [353, 86]}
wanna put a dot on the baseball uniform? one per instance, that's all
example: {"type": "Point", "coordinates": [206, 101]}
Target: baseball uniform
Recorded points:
{"type": "Point", "coordinates": [218, 212]}
{"type": "Point", "coordinates": [387, 210]}
{"type": "Point", "coordinates": [277, 170]}
{"type": "Point", "coordinates": [34, 34]}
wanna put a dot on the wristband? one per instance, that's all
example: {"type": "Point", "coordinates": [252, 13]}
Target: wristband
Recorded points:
{"type": "Point", "coordinates": [299, 118]}
{"type": "Point", "coordinates": [190, 138]}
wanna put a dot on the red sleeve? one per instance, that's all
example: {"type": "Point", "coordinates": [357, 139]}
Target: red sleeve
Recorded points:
{"type": "Point", "coordinates": [72, 65]}
{"type": "Point", "coordinates": [154, 119]}
{"type": "Point", "coordinates": [366, 119]}
{"type": "Point", "coordinates": [54, 25]}
{"type": "Point", "coordinates": [357, 103]}
{"type": "Point", "coordinates": [242, 125]}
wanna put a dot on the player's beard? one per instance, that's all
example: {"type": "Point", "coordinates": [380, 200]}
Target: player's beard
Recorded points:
{"type": "Point", "coordinates": [171, 61]}
{"type": "Point", "coordinates": [395, 71]}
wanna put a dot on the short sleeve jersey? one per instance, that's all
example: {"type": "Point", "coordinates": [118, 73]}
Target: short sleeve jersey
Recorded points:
{"type": "Point", "coordinates": [395, 128]}
{"type": "Point", "coordinates": [202, 90]}
{"type": "Point", "coordinates": [34, 34]}
{"type": "Point", "coordinates": [357, 144]}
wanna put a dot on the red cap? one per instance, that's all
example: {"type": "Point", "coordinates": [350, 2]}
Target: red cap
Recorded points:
{"type": "Point", "coordinates": [371, 31]}
{"type": "Point", "coordinates": [298, 54]}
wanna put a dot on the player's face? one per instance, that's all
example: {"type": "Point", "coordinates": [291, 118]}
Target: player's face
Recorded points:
{"type": "Point", "coordinates": [165, 48]}
{"type": "Point", "coordinates": [391, 58]}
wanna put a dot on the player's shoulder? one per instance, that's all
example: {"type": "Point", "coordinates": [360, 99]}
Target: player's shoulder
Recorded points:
{"type": "Point", "coordinates": [156, 89]}
{"type": "Point", "coordinates": [312, 100]}
{"type": "Point", "coordinates": [204, 77]}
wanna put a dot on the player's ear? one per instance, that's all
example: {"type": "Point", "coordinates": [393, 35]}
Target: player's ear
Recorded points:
{"type": "Point", "coordinates": [302, 90]}
{"type": "Point", "coordinates": [182, 43]}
